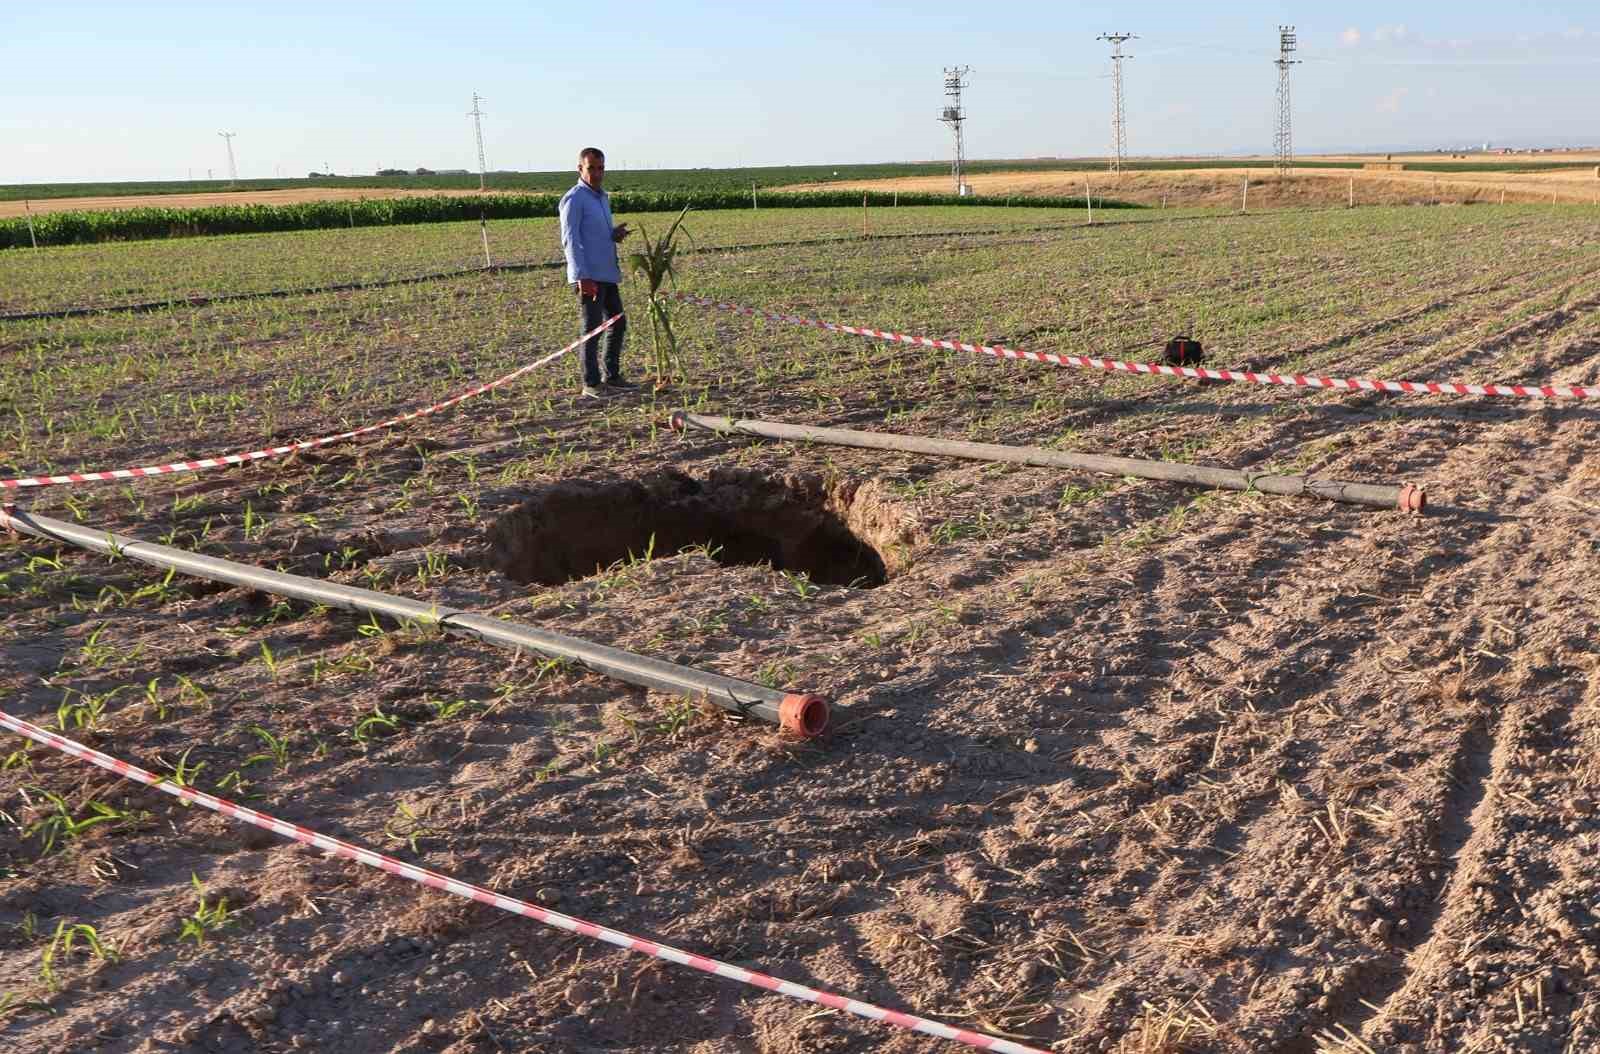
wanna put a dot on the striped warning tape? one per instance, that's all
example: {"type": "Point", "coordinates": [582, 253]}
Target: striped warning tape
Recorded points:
{"type": "Point", "coordinates": [466, 890]}
{"type": "Point", "coordinates": [279, 451]}
{"type": "Point", "coordinates": [1298, 380]}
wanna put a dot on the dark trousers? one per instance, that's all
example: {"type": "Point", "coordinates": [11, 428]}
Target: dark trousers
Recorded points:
{"type": "Point", "coordinates": [596, 311]}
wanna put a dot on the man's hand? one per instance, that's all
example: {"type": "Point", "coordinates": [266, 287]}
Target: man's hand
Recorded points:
{"type": "Point", "coordinates": [619, 232]}
{"type": "Point", "coordinates": [588, 289]}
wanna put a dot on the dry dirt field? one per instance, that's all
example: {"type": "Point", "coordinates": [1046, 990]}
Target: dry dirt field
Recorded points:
{"type": "Point", "coordinates": [1117, 765]}
{"type": "Point", "coordinates": [1221, 187]}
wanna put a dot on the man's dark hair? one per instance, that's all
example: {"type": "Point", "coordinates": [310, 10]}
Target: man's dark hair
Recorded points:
{"type": "Point", "coordinates": [590, 153]}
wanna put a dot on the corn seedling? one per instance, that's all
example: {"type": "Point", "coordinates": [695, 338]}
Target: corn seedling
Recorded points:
{"type": "Point", "coordinates": [60, 825]}
{"type": "Point", "coordinates": [185, 774]}
{"type": "Point", "coordinates": [655, 263]}
{"type": "Point", "coordinates": [269, 660]}
{"type": "Point", "coordinates": [254, 526]}
{"type": "Point", "coordinates": [801, 583]}
{"type": "Point", "coordinates": [434, 566]}
{"type": "Point", "coordinates": [207, 919]}
{"type": "Point", "coordinates": [444, 709]}
{"type": "Point", "coordinates": [775, 674]}
{"type": "Point", "coordinates": [675, 718]}
{"type": "Point", "coordinates": [92, 652]}
{"type": "Point", "coordinates": [277, 749]}
{"type": "Point", "coordinates": [374, 725]}
{"type": "Point", "coordinates": [188, 690]}
{"type": "Point", "coordinates": [87, 712]}
{"type": "Point", "coordinates": [61, 944]}
{"type": "Point", "coordinates": [152, 699]}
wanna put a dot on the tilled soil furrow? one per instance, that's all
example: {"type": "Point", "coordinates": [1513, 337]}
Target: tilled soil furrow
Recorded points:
{"type": "Point", "coordinates": [1461, 797]}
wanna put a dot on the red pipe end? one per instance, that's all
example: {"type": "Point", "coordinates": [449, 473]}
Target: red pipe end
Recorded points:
{"type": "Point", "coordinates": [676, 421]}
{"type": "Point", "coordinates": [1413, 499]}
{"type": "Point", "coordinates": [804, 715]}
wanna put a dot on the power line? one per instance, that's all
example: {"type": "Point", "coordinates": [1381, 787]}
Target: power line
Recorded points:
{"type": "Point", "coordinates": [954, 116]}
{"type": "Point", "coordinates": [477, 122]}
{"type": "Point", "coordinates": [1283, 141]}
{"type": "Point", "coordinates": [1119, 131]}
{"type": "Point", "coordinates": [233, 171]}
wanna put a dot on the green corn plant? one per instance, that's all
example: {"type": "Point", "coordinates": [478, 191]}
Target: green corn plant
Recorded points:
{"type": "Point", "coordinates": [61, 825]}
{"type": "Point", "coordinates": [61, 945]}
{"type": "Point", "coordinates": [374, 725]}
{"type": "Point", "coordinates": [276, 752]}
{"type": "Point", "coordinates": [655, 263]}
{"type": "Point", "coordinates": [206, 919]}
{"type": "Point", "coordinates": [185, 774]}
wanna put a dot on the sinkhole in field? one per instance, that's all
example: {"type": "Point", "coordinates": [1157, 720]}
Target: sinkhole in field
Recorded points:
{"type": "Point", "coordinates": [838, 532]}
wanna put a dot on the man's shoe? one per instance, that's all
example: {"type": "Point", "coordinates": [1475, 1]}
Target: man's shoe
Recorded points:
{"type": "Point", "coordinates": [620, 384]}
{"type": "Point", "coordinates": [591, 392]}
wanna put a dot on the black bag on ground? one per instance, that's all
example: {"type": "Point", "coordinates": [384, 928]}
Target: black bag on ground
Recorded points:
{"type": "Point", "coordinates": [1182, 351]}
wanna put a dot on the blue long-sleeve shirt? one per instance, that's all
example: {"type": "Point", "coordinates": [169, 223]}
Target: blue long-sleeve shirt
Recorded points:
{"type": "Point", "coordinates": [586, 235]}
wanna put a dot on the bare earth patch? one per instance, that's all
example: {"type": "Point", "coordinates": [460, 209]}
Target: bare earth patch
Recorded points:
{"type": "Point", "coordinates": [1222, 186]}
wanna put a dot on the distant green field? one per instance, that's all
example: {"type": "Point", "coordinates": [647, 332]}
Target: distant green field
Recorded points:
{"type": "Point", "coordinates": [137, 224]}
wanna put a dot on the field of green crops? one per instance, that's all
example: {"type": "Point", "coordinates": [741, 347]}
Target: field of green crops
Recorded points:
{"type": "Point", "coordinates": [1118, 765]}
{"type": "Point", "coordinates": [84, 227]}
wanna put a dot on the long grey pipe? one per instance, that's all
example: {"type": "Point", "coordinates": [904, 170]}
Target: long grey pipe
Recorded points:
{"type": "Point", "coordinates": [802, 713]}
{"type": "Point", "coordinates": [1407, 498]}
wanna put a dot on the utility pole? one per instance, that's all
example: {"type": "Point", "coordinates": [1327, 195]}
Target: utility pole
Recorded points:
{"type": "Point", "coordinates": [1283, 141]}
{"type": "Point", "coordinates": [955, 78]}
{"type": "Point", "coordinates": [233, 172]}
{"type": "Point", "coordinates": [1119, 131]}
{"type": "Point", "coordinates": [477, 123]}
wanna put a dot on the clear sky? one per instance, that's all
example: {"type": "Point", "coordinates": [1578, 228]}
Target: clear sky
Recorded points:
{"type": "Point", "coordinates": [139, 89]}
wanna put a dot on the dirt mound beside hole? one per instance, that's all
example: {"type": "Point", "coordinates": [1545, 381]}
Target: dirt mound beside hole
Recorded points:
{"type": "Point", "coordinates": [838, 532]}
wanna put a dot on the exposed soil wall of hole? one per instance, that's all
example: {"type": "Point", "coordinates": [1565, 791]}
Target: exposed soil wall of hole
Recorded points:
{"type": "Point", "coordinates": [838, 532]}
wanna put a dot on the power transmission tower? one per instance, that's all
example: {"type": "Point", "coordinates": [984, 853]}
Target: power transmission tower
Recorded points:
{"type": "Point", "coordinates": [955, 78]}
{"type": "Point", "coordinates": [233, 172]}
{"type": "Point", "coordinates": [1283, 142]}
{"type": "Point", "coordinates": [477, 123]}
{"type": "Point", "coordinates": [1119, 130]}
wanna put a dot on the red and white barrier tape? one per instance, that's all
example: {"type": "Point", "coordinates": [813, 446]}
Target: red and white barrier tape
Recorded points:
{"type": "Point", "coordinates": [279, 451]}
{"type": "Point", "coordinates": [1548, 391]}
{"type": "Point", "coordinates": [466, 890]}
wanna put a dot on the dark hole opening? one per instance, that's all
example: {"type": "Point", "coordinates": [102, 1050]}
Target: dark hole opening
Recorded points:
{"type": "Point", "coordinates": [576, 528]}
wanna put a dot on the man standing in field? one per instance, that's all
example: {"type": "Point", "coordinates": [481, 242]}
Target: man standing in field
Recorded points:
{"type": "Point", "coordinates": [589, 238]}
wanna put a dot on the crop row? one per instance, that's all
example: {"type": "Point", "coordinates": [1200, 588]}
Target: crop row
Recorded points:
{"type": "Point", "coordinates": [76, 228]}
